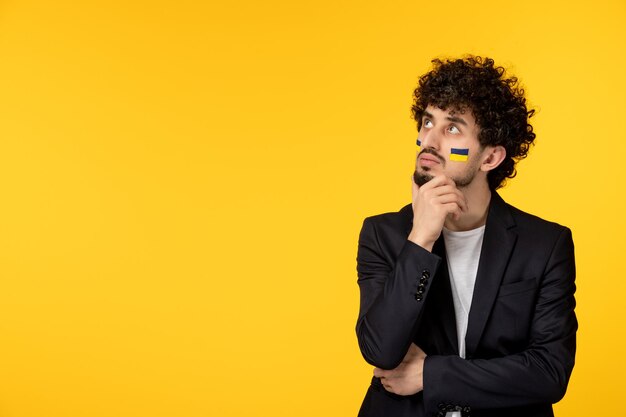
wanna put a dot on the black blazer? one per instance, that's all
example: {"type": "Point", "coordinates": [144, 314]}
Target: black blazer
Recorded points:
{"type": "Point", "coordinates": [521, 335]}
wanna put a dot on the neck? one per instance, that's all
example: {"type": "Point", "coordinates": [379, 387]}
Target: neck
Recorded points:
{"type": "Point", "coordinates": [478, 196]}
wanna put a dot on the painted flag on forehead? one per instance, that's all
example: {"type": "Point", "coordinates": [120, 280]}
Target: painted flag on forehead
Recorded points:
{"type": "Point", "coordinates": [460, 155]}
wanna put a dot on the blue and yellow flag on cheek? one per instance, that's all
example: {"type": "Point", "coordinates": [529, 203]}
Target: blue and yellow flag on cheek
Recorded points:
{"type": "Point", "coordinates": [459, 155]}
{"type": "Point", "coordinates": [419, 145]}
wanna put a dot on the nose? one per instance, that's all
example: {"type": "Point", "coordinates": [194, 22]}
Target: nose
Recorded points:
{"type": "Point", "coordinates": [429, 138]}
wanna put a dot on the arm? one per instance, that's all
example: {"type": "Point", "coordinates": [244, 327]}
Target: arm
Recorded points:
{"type": "Point", "coordinates": [394, 287]}
{"type": "Point", "coordinates": [536, 375]}
{"type": "Point", "coordinates": [389, 310]}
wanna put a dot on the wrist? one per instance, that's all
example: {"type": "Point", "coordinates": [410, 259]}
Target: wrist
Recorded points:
{"type": "Point", "coordinates": [424, 242]}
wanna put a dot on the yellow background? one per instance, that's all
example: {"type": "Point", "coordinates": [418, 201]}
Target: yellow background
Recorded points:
{"type": "Point", "coordinates": [183, 183]}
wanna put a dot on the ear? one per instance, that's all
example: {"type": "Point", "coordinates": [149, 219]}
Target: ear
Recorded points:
{"type": "Point", "coordinates": [492, 157]}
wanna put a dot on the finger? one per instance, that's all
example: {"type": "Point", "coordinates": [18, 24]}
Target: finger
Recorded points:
{"type": "Point", "coordinates": [462, 200]}
{"type": "Point", "coordinates": [390, 374]}
{"type": "Point", "coordinates": [453, 209]}
{"type": "Point", "coordinates": [413, 348]}
{"type": "Point", "coordinates": [449, 186]}
{"type": "Point", "coordinates": [448, 205]}
{"type": "Point", "coordinates": [448, 180]}
{"type": "Point", "coordinates": [443, 189]}
{"type": "Point", "coordinates": [448, 198]}
{"type": "Point", "coordinates": [388, 387]}
{"type": "Point", "coordinates": [419, 350]}
{"type": "Point", "coordinates": [437, 181]}
{"type": "Point", "coordinates": [442, 180]}
{"type": "Point", "coordinates": [452, 194]}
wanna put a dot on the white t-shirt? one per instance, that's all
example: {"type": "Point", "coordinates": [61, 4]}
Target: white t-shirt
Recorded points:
{"type": "Point", "coordinates": [463, 253]}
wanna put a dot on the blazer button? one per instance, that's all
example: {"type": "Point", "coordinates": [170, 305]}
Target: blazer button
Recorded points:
{"type": "Point", "coordinates": [426, 273]}
{"type": "Point", "coordinates": [418, 297]}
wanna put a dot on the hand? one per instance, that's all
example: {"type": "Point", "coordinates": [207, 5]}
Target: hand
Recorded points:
{"type": "Point", "coordinates": [432, 203]}
{"type": "Point", "coordinates": [406, 378]}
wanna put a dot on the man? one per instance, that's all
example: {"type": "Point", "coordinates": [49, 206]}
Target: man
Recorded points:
{"type": "Point", "coordinates": [467, 303]}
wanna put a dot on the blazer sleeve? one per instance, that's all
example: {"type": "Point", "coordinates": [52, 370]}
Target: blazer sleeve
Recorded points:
{"type": "Point", "coordinates": [540, 373]}
{"type": "Point", "coordinates": [392, 295]}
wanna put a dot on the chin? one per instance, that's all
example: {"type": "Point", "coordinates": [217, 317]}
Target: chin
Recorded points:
{"type": "Point", "coordinates": [421, 178]}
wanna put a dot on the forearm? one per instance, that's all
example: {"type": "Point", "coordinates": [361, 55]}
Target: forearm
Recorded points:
{"type": "Point", "coordinates": [531, 377]}
{"type": "Point", "coordinates": [386, 325]}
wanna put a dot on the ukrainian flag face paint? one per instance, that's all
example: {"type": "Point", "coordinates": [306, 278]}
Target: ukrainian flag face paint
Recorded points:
{"type": "Point", "coordinates": [459, 154]}
{"type": "Point", "coordinates": [456, 154]}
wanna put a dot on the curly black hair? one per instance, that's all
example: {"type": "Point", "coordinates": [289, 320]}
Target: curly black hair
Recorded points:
{"type": "Point", "coordinates": [495, 99]}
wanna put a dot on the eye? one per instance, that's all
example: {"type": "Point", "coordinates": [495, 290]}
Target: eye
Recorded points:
{"type": "Point", "coordinates": [427, 123]}
{"type": "Point", "coordinates": [454, 130]}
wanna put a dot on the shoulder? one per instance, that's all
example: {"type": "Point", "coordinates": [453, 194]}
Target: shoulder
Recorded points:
{"type": "Point", "coordinates": [523, 221]}
{"type": "Point", "coordinates": [538, 245]}
{"type": "Point", "coordinates": [393, 220]}
{"type": "Point", "coordinates": [531, 223]}
{"type": "Point", "coordinates": [387, 231]}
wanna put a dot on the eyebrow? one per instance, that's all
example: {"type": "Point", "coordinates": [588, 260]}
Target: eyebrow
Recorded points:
{"type": "Point", "coordinates": [450, 118]}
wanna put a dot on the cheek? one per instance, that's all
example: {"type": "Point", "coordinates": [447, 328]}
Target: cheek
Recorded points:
{"type": "Point", "coordinates": [459, 154]}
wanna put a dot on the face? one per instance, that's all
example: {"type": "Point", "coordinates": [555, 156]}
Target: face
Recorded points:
{"type": "Point", "coordinates": [445, 133]}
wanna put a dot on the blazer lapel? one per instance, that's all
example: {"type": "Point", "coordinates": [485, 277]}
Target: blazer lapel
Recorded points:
{"type": "Point", "coordinates": [498, 243]}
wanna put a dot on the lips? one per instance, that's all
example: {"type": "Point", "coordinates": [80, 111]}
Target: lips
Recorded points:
{"type": "Point", "coordinates": [428, 160]}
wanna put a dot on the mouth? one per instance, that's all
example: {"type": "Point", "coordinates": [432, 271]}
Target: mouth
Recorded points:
{"type": "Point", "coordinates": [427, 160]}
